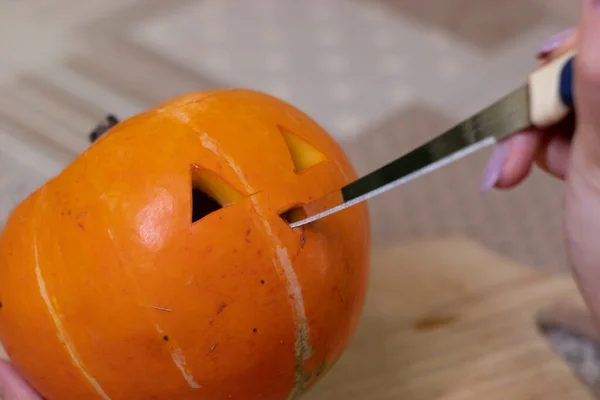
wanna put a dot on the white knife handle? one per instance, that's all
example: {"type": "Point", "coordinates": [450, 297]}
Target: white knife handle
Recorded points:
{"type": "Point", "coordinates": [551, 91]}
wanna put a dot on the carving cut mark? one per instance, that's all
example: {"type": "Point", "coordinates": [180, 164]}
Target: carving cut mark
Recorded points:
{"type": "Point", "coordinates": [210, 193]}
{"type": "Point", "coordinates": [293, 214]}
{"type": "Point", "coordinates": [303, 154]}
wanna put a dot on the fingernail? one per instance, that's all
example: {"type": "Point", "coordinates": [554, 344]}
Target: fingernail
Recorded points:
{"type": "Point", "coordinates": [494, 167]}
{"type": "Point", "coordinates": [594, 3]}
{"type": "Point", "coordinates": [554, 42]}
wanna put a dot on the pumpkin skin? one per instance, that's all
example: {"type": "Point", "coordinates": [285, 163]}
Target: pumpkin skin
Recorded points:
{"type": "Point", "coordinates": [108, 290]}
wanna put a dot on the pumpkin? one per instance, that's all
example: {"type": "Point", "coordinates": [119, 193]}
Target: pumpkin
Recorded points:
{"type": "Point", "coordinates": [159, 264]}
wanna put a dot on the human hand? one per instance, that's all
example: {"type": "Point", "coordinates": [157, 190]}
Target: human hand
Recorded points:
{"type": "Point", "coordinates": [570, 152]}
{"type": "Point", "coordinates": [13, 386]}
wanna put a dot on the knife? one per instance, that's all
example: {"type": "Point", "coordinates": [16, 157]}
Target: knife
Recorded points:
{"type": "Point", "coordinates": [544, 100]}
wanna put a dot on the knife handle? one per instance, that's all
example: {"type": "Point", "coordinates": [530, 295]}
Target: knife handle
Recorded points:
{"type": "Point", "coordinates": [551, 91]}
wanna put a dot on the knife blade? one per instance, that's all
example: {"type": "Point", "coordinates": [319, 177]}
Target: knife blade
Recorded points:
{"type": "Point", "coordinates": [544, 100]}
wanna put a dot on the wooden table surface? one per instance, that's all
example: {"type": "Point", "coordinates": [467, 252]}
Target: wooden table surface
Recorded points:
{"type": "Point", "coordinates": [448, 319]}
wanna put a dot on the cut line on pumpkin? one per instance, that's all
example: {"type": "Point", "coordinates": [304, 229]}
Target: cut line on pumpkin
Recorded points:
{"type": "Point", "coordinates": [304, 155]}
{"type": "Point", "coordinates": [209, 193]}
{"type": "Point", "coordinates": [61, 332]}
{"type": "Point", "coordinates": [162, 308]}
{"type": "Point", "coordinates": [294, 213]}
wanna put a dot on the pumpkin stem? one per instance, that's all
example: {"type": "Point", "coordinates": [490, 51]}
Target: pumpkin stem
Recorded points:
{"type": "Point", "coordinates": [109, 121]}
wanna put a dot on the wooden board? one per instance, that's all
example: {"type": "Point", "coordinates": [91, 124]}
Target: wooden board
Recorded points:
{"type": "Point", "coordinates": [447, 319]}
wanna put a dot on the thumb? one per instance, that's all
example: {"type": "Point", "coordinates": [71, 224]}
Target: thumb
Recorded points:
{"type": "Point", "coordinates": [587, 82]}
{"type": "Point", "coordinates": [582, 196]}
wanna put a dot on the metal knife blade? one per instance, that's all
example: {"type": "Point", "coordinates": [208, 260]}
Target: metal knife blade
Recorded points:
{"type": "Point", "coordinates": [543, 101]}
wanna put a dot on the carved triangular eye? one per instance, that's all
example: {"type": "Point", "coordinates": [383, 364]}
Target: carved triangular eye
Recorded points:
{"type": "Point", "coordinates": [202, 204]}
{"type": "Point", "coordinates": [303, 154]}
{"type": "Point", "coordinates": [210, 193]}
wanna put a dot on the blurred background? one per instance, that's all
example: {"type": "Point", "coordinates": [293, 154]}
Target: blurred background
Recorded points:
{"type": "Point", "coordinates": [382, 76]}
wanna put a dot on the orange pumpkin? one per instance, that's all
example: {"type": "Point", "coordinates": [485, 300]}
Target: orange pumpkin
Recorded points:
{"type": "Point", "coordinates": [158, 265]}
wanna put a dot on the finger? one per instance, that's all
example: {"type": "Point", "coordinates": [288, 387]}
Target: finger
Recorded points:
{"type": "Point", "coordinates": [553, 155]}
{"type": "Point", "coordinates": [587, 84]}
{"type": "Point", "coordinates": [558, 45]}
{"type": "Point", "coordinates": [511, 160]}
{"type": "Point", "coordinates": [13, 386]}
{"type": "Point", "coordinates": [582, 195]}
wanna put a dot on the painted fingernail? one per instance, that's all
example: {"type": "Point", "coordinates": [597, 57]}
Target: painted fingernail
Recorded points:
{"type": "Point", "coordinates": [494, 167]}
{"type": "Point", "coordinates": [592, 3]}
{"type": "Point", "coordinates": [554, 42]}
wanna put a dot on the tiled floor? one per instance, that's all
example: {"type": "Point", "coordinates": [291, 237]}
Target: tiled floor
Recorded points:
{"type": "Point", "coordinates": [381, 75]}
